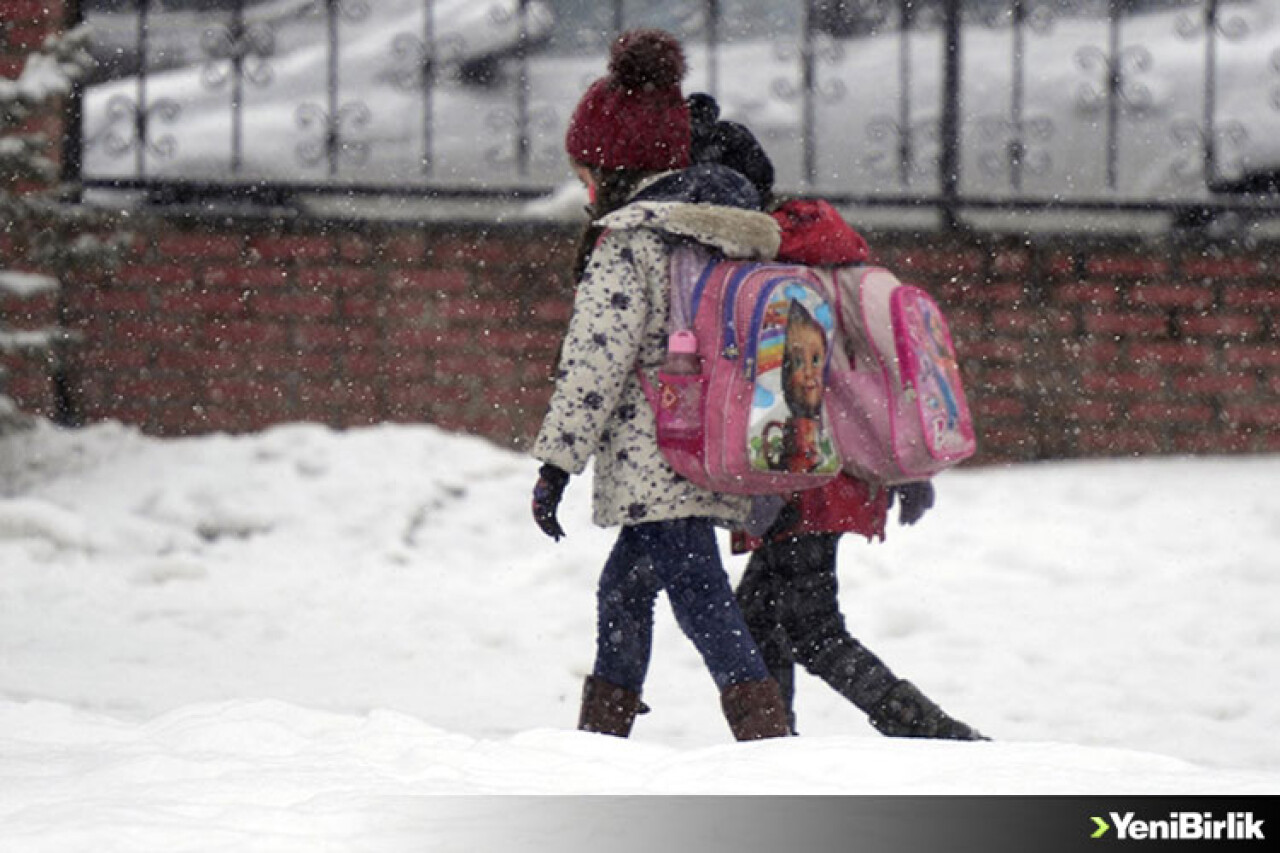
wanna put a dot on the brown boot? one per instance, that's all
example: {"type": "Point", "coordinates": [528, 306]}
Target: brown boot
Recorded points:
{"type": "Point", "coordinates": [607, 708]}
{"type": "Point", "coordinates": [755, 710]}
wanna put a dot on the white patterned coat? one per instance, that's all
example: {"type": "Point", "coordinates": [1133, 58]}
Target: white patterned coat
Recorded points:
{"type": "Point", "coordinates": [620, 320]}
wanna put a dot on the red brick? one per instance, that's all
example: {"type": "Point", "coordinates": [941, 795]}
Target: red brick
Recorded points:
{"type": "Point", "coordinates": [1014, 321]}
{"type": "Point", "coordinates": [355, 248]}
{"type": "Point", "coordinates": [964, 322]}
{"type": "Point", "coordinates": [1060, 264]}
{"type": "Point", "coordinates": [1220, 325]}
{"type": "Point", "coordinates": [405, 248]}
{"type": "Point", "coordinates": [363, 307]}
{"type": "Point", "coordinates": [925, 262]}
{"type": "Point", "coordinates": [274, 362]}
{"type": "Point", "coordinates": [1214, 383]}
{"type": "Point", "coordinates": [1179, 354]}
{"type": "Point", "coordinates": [221, 303]}
{"type": "Point", "coordinates": [1251, 297]}
{"type": "Point", "coordinates": [1087, 293]}
{"type": "Point", "coordinates": [296, 247]}
{"type": "Point", "coordinates": [1000, 293]}
{"type": "Point", "coordinates": [1165, 413]}
{"type": "Point", "coordinates": [1249, 356]}
{"type": "Point", "coordinates": [111, 359]}
{"type": "Point", "coordinates": [1229, 268]}
{"type": "Point", "coordinates": [1126, 266]}
{"type": "Point", "coordinates": [147, 332]}
{"type": "Point", "coordinates": [155, 275]}
{"type": "Point", "coordinates": [204, 361]}
{"type": "Point", "coordinates": [1120, 442]}
{"type": "Point", "coordinates": [362, 365]}
{"type": "Point", "coordinates": [414, 366]}
{"type": "Point", "coordinates": [29, 312]}
{"type": "Point", "coordinates": [1094, 352]}
{"type": "Point", "coordinates": [475, 309]}
{"type": "Point", "coordinates": [167, 387]}
{"type": "Point", "coordinates": [199, 246]}
{"type": "Point", "coordinates": [1007, 349]}
{"type": "Point", "coordinates": [27, 38]}
{"type": "Point", "coordinates": [32, 11]}
{"type": "Point", "coordinates": [245, 277]}
{"type": "Point", "coordinates": [332, 393]}
{"type": "Point", "coordinates": [988, 406]}
{"type": "Point", "coordinates": [1126, 324]}
{"type": "Point", "coordinates": [337, 337]}
{"type": "Point", "coordinates": [1198, 441]}
{"type": "Point", "coordinates": [1256, 414]}
{"type": "Point", "coordinates": [1121, 383]}
{"type": "Point", "coordinates": [249, 333]}
{"type": "Point", "coordinates": [246, 390]}
{"type": "Point", "coordinates": [114, 300]}
{"type": "Point", "coordinates": [431, 281]}
{"type": "Point", "coordinates": [294, 305]}
{"type": "Point", "coordinates": [1093, 411]}
{"type": "Point", "coordinates": [334, 279]}
{"type": "Point", "coordinates": [551, 310]}
{"type": "Point", "coordinates": [413, 311]}
{"type": "Point", "coordinates": [1171, 296]}
{"type": "Point", "coordinates": [1011, 262]}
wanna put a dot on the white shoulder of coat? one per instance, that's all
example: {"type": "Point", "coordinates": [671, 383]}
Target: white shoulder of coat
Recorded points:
{"type": "Point", "coordinates": [736, 232]}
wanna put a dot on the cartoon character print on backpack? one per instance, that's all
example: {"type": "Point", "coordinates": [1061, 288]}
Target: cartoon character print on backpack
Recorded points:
{"type": "Point", "coordinates": [928, 357]}
{"type": "Point", "coordinates": [787, 425]}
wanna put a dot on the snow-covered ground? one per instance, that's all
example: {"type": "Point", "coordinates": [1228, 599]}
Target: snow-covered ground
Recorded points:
{"type": "Point", "coordinates": [290, 641]}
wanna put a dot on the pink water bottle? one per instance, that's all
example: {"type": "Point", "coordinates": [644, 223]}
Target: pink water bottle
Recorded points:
{"type": "Point", "coordinates": [680, 387]}
{"type": "Point", "coordinates": [682, 353]}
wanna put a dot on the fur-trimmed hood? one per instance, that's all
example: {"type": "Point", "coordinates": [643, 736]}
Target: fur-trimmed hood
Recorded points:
{"type": "Point", "coordinates": [707, 203]}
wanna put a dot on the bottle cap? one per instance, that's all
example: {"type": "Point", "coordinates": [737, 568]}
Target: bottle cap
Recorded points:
{"type": "Point", "coordinates": [683, 341]}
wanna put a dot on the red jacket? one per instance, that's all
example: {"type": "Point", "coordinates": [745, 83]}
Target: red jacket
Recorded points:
{"type": "Point", "coordinates": [814, 233]}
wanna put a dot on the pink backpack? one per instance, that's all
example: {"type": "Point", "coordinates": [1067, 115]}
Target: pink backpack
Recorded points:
{"type": "Point", "coordinates": [741, 402]}
{"type": "Point", "coordinates": [895, 399]}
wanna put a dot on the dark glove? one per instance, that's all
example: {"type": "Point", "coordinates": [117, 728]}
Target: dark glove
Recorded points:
{"type": "Point", "coordinates": [913, 498]}
{"type": "Point", "coordinates": [546, 499]}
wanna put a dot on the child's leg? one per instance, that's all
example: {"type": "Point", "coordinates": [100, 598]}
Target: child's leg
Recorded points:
{"type": "Point", "coordinates": [819, 639]}
{"type": "Point", "coordinates": [822, 644]}
{"type": "Point", "coordinates": [687, 561]}
{"type": "Point", "coordinates": [624, 612]}
{"type": "Point", "coordinates": [682, 554]}
{"type": "Point", "coordinates": [758, 596]}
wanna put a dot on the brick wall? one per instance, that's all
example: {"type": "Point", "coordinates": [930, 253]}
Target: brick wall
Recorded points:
{"type": "Point", "coordinates": [27, 374]}
{"type": "Point", "coordinates": [210, 326]}
{"type": "Point", "coordinates": [1072, 346]}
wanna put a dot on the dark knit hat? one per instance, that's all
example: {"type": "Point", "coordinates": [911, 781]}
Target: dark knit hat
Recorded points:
{"type": "Point", "coordinates": [728, 143]}
{"type": "Point", "coordinates": [635, 117]}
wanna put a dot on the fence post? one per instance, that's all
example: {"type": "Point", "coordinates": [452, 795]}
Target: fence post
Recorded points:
{"type": "Point", "coordinates": [949, 123]}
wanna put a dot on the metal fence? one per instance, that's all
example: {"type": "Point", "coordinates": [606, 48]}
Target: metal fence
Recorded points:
{"type": "Point", "coordinates": [954, 104]}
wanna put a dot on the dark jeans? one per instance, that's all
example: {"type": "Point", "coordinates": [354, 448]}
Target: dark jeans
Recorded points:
{"type": "Point", "coordinates": [680, 557]}
{"type": "Point", "coordinates": [788, 596]}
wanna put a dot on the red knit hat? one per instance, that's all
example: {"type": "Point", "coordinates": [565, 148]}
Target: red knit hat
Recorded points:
{"type": "Point", "coordinates": [635, 117]}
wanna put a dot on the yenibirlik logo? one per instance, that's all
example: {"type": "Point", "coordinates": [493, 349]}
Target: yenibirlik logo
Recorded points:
{"type": "Point", "coordinates": [1180, 826]}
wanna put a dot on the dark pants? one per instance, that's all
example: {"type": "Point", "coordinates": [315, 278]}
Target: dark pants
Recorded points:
{"type": "Point", "coordinates": [680, 557]}
{"type": "Point", "coordinates": [788, 596]}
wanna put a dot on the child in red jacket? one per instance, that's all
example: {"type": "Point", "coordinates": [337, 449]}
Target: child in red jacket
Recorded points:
{"type": "Point", "coordinates": [789, 592]}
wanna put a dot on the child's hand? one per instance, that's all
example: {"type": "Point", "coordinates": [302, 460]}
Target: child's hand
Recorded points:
{"type": "Point", "coordinates": [546, 499]}
{"type": "Point", "coordinates": [914, 500]}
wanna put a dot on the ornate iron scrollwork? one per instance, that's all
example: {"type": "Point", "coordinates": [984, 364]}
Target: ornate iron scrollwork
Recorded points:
{"type": "Point", "coordinates": [332, 144]}
{"type": "Point", "coordinates": [237, 49]}
{"type": "Point", "coordinates": [128, 128]}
